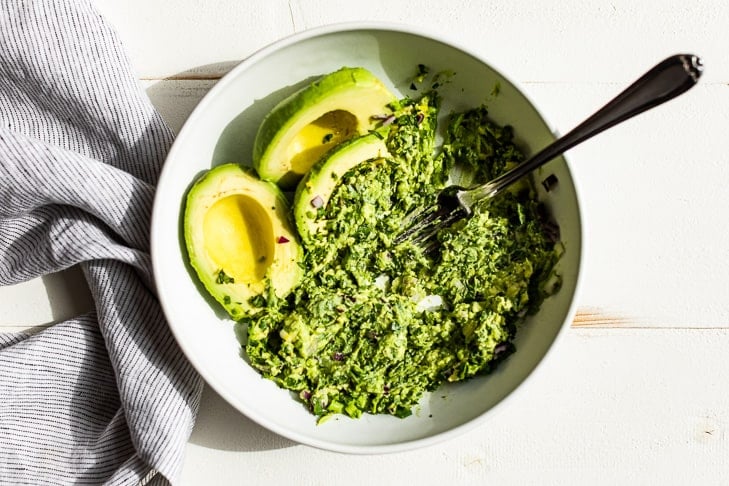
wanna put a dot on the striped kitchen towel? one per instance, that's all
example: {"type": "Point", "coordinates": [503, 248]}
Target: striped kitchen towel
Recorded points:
{"type": "Point", "coordinates": [106, 397]}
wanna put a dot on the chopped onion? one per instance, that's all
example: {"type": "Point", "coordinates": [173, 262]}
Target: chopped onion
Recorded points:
{"type": "Point", "coordinates": [550, 182]}
{"type": "Point", "coordinates": [382, 281]}
{"type": "Point", "coordinates": [388, 120]}
{"type": "Point", "coordinates": [282, 239]}
{"type": "Point", "coordinates": [500, 348]}
{"type": "Point", "coordinates": [429, 303]}
{"type": "Point", "coordinates": [317, 202]}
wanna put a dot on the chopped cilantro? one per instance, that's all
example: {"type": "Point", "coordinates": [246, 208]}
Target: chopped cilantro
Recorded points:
{"type": "Point", "coordinates": [223, 278]}
{"type": "Point", "coordinates": [352, 337]}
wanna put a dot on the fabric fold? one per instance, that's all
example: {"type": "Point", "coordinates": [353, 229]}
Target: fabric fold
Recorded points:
{"type": "Point", "coordinates": [106, 397]}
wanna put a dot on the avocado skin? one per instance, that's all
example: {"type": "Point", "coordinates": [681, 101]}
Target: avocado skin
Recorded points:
{"type": "Point", "coordinates": [284, 272]}
{"type": "Point", "coordinates": [355, 90]}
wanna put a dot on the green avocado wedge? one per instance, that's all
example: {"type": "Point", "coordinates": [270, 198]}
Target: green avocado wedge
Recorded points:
{"type": "Point", "coordinates": [239, 238]}
{"type": "Point", "coordinates": [317, 186]}
{"type": "Point", "coordinates": [304, 126]}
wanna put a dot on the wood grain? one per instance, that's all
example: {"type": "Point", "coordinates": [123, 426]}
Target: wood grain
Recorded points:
{"type": "Point", "coordinates": [636, 391]}
{"type": "Point", "coordinates": [202, 36]}
{"type": "Point", "coordinates": [595, 317]}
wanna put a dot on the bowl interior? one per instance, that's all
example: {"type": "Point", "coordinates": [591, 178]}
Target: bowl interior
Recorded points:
{"type": "Point", "coordinates": [222, 129]}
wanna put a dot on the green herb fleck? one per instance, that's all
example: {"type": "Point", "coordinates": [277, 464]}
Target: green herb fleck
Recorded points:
{"type": "Point", "coordinates": [347, 342]}
{"type": "Point", "coordinates": [257, 301]}
{"type": "Point", "coordinates": [223, 278]}
{"type": "Point", "coordinates": [422, 72]}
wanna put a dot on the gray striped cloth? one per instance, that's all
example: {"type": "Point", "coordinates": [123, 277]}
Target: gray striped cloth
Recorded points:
{"type": "Point", "coordinates": [106, 397]}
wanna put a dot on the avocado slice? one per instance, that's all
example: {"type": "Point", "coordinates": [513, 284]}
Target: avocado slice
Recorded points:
{"type": "Point", "coordinates": [317, 186]}
{"type": "Point", "coordinates": [304, 126]}
{"type": "Point", "coordinates": [239, 237]}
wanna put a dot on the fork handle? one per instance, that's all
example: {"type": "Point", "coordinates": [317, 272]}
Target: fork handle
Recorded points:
{"type": "Point", "coordinates": [665, 81]}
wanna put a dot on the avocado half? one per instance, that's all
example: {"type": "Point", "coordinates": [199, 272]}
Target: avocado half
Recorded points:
{"type": "Point", "coordinates": [304, 126]}
{"type": "Point", "coordinates": [317, 186]}
{"type": "Point", "coordinates": [239, 238]}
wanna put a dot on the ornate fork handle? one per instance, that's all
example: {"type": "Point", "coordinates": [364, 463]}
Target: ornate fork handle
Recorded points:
{"type": "Point", "coordinates": [665, 81]}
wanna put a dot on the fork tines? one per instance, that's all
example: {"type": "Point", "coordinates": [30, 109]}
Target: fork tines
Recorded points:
{"type": "Point", "coordinates": [422, 226]}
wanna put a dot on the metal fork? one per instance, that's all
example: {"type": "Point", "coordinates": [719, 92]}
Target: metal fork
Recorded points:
{"type": "Point", "coordinates": [668, 79]}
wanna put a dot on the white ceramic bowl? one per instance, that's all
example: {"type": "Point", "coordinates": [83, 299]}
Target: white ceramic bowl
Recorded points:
{"type": "Point", "coordinates": [222, 129]}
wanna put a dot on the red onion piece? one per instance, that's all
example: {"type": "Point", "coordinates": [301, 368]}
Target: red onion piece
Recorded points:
{"type": "Point", "coordinates": [317, 202]}
{"type": "Point", "coordinates": [388, 120]}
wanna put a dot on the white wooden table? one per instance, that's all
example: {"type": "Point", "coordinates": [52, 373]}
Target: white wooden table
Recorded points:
{"type": "Point", "coordinates": [639, 390]}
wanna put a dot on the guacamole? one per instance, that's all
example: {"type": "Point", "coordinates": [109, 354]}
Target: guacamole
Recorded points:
{"type": "Point", "coordinates": [373, 326]}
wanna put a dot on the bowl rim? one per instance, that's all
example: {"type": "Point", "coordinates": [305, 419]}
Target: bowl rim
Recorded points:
{"type": "Point", "coordinates": [200, 108]}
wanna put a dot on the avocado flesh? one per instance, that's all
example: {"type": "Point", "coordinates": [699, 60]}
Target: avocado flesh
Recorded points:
{"type": "Point", "coordinates": [304, 126]}
{"type": "Point", "coordinates": [317, 186]}
{"type": "Point", "coordinates": [319, 136]}
{"type": "Point", "coordinates": [239, 238]}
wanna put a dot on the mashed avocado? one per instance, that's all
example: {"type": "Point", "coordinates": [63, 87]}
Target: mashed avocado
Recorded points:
{"type": "Point", "coordinates": [373, 326]}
